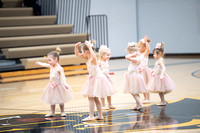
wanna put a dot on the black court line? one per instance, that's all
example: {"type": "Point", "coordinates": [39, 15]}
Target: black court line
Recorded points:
{"type": "Point", "coordinates": [196, 74]}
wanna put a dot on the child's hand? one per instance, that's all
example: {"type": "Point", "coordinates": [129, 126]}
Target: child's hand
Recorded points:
{"type": "Point", "coordinates": [111, 73]}
{"type": "Point", "coordinates": [140, 69]}
{"type": "Point", "coordinates": [77, 44]}
{"type": "Point", "coordinates": [36, 63]}
{"type": "Point", "coordinates": [145, 38]}
{"type": "Point", "coordinates": [66, 87]}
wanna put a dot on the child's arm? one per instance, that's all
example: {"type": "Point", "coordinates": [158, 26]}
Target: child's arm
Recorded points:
{"type": "Point", "coordinates": [63, 78]}
{"type": "Point", "coordinates": [42, 64]}
{"type": "Point", "coordinates": [76, 51]}
{"type": "Point", "coordinates": [92, 53]}
{"type": "Point", "coordinates": [147, 46]}
{"type": "Point", "coordinates": [133, 59]}
{"type": "Point", "coordinates": [161, 61]}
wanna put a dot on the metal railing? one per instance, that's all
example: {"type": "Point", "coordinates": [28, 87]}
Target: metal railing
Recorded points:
{"type": "Point", "coordinates": [74, 12]}
{"type": "Point", "coordinates": [77, 12]}
{"type": "Point", "coordinates": [97, 29]}
{"type": "Point", "coordinates": [48, 7]}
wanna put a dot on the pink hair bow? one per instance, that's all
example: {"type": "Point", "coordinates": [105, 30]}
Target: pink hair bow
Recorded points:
{"type": "Point", "coordinates": [158, 45]}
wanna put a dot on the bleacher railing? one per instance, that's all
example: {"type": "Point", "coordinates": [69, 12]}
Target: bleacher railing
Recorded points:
{"type": "Point", "coordinates": [97, 29]}
{"type": "Point", "coordinates": [77, 12]}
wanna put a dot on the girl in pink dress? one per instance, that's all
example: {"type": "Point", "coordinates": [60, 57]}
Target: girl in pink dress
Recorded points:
{"type": "Point", "coordinates": [97, 85]}
{"type": "Point", "coordinates": [134, 82]}
{"type": "Point", "coordinates": [104, 53]}
{"type": "Point", "coordinates": [144, 49]}
{"type": "Point", "coordinates": [57, 91]}
{"type": "Point", "coordinates": [161, 83]}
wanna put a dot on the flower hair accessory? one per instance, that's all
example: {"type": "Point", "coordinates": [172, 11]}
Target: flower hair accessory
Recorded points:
{"type": "Point", "coordinates": [91, 42]}
{"type": "Point", "coordinates": [131, 44]}
{"type": "Point", "coordinates": [158, 45]}
{"type": "Point", "coordinates": [103, 47]}
{"type": "Point", "coordinates": [142, 40]}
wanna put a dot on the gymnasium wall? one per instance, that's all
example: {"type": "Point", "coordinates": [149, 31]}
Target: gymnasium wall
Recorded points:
{"type": "Point", "coordinates": [174, 22]}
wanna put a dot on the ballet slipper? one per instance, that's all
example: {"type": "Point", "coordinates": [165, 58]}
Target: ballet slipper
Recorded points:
{"type": "Point", "coordinates": [111, 107]}
{"type": "Point", "coordinates": [63, 114]}
{"type": "Point", "coordinates": [88, 119]}
{"type": "Point", "coordinates": [139, 108]}
{"type": "Point", "coordinates": [146, 102]}
{"type": "Point", "coordinates": [99, 118]}
{"type": "Point", "coordinates": [135, 108]}
{"type": "Point", "coordinates": [50, 115]}
{"type": "Point", "coordinates": [105, 108]}
{"type": "Point", "coordinates": [161, 104]}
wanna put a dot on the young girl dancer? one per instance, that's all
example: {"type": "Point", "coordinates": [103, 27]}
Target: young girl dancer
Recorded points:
{"type": "Point", "coordinates": [57, 91]}
{"type": "Point", "coordinates": [134, 82]}
{"type": "Point", "coordinates": [161, 83]}
{"type": "Point", "coordinates": [104, 54]}
{"type": "Point", "coordinates": [97, 85]}
{"type": "Point", "coordinates": [144, 49]}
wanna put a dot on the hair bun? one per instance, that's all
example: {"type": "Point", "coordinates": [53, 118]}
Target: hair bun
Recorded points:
{"type": "Point", "coordinates": [58, 50]}
{"type": "Point", "coordinates": [148, 40]}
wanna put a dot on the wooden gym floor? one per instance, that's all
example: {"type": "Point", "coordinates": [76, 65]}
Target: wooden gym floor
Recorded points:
{"type": "Point", "coordinates": [22, 111]}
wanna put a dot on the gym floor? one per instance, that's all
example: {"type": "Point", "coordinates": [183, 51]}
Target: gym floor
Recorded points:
{"type": "Point", "coordinates": [22, 111]}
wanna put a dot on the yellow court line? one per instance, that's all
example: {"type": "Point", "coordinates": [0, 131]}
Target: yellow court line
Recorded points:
{"type": "Point", "coordinates": [56, 126]}
{"type": "Point", "coordinates": [35, 123]}
{"type": "Point", "coordinates": [195, 98]}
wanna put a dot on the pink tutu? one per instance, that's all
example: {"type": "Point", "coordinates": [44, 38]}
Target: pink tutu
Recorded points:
{"type": "Point", "coordinates": [146, 73]}
{"type": "Point", "coordinates": [56, 94]}
{"type": "Point", "coordinates": [97, 86]}
{"type": "Point", "coordinates": [157, 85]}
{"type": "Point", "coordinates": [134, 83]}
{"type": "Point", "coordinates": [113, 86]}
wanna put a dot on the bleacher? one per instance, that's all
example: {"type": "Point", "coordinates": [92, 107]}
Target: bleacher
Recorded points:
{"type": "Point", "coordinates": [25, 39]}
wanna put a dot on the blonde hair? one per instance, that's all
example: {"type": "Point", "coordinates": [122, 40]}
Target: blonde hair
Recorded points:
{"type": "Point", "coordinates": [103, 50]}
{"type": "Point", "coordinates": [132, 47]}
{"type": "Point", "coordinates": [55, 53]}
{"type": "Point", "coordinates": [159, 50]}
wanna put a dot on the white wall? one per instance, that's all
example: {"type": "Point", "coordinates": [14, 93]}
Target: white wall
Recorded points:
{"type": "Point", "coordinates": [121, 22]}
{"type": "Point", "coordinates": [174, 22]}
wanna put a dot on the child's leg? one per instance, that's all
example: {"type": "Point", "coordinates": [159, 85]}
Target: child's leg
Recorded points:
{"type": "Point", "coordinates": [145, 97]}
{"type": "Point", "coordinates": [110, 103]}
{"type": "Point", "coordinates": [103, 102]}
{"type": "Point", "coordinates": [91, 110]}
{"type": "Point", "coordinates": [138, 102]}
{"type": "Point", "coordinates": [162, 97]}
{"type": "Point", "coordinates": [52, 111]}
{"type": "Point", "coordinates": [62, 109]}
{"type": "Point", "coordinates": [91, 106]}
{"type": "Point", "coordinates": [98, 105]}
{"type": "Point", "coordinates": [109, 100]}
{"type": "Point", "coordinates": [148, 96]}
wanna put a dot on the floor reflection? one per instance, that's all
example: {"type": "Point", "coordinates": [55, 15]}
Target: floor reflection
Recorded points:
{"type": "Point", "coordinates": [181, 115]}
